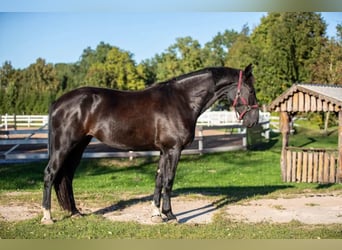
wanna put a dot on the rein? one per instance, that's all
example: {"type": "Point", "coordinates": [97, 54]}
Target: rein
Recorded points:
{"type": "Point", "coordinates": [243, 101]}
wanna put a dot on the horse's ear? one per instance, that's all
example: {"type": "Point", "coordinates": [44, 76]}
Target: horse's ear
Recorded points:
{"type": "Point", "coordinates": [248, 70]}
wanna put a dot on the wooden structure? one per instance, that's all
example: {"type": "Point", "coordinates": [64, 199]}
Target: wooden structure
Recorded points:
{"type": "Point", "coordinates": [308, 164]}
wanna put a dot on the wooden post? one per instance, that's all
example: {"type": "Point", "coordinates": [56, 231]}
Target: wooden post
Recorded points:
{"type": "Point", "coordinates": [339, 166]}
{"type": "Point", "coordinates": [200, 140]}
{"type": "Point", "coordinates": [285, 130]}
{"type": "Point", "coordinates": [15, 121]}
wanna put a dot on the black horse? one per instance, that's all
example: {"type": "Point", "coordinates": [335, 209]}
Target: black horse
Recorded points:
{"type": "Point", "coordinates": [162, 117]}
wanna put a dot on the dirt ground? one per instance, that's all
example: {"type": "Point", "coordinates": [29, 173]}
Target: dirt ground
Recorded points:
{"type": "Point", "coordinates": [308, 209]}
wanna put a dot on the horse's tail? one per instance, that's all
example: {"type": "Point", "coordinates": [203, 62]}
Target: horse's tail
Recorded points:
{"type": "Point", "coordinates": [49, 131]}
{"type": "Point", "coordinates": [63, 188]}
{"type": "Point", "coordinates": [65, 176]}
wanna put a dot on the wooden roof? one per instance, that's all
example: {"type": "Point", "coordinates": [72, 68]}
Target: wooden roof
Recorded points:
{"type": "Point", "coordinates": [309, 98]}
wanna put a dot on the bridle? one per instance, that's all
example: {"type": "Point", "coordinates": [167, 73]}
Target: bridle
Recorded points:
{"type": "Point", "coordinates": [244, 102]}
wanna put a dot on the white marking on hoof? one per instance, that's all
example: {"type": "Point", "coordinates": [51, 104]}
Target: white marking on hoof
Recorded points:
{"type": "Point", "coordinates": [46, 220]}
{"type": "Point", "coordinates": [156, 216]}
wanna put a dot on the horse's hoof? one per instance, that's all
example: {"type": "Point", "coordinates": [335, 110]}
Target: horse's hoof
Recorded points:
{"type": "Point", "coordinates": [76, 215]}
{"type": "Point", "coordinates": [45, 221]}
{"type": "Point", "coordinates": [157, 219]}
{"type": "Point", "coordinates": [172, 220]}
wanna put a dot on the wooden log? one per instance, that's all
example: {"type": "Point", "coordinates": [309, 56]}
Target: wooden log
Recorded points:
{"type": "Point", "coordinates": [294, 166]}
{"type": "Point", "coordinates": [305, 167]}
{"type": "Point", "coordinates": [339, 165]}
{"type": "Point", "coordinates": [310, 166]}
{"type": "Point", "coordinates": [326, 167]}
{"type": "Point", "coordinates": [320, 166]}
{"type": "Point", "coordinates": [319, 105]}
{"type": "Point", "coordinates": [299, 166]}
{"type": "Point", "coordinates": [331, 107]}
{"type": "Point", "coordinates": [313, 104]}
{"type": "Point", "coordinates": [307, 103]}
{"type": "Point", "coordinates": [288, 166]}
{"type": "Point", "coordinates": [301, 102]}
{"type": "Point", "coordinates": [315, 167]}
{"type": "Point", "coordinates": [284, 124]}
{"type": "Point", "coordinates": [283, 106]}
{"type": "Point", "coordinates": [325, 106]}
{"type": "Point", "coordinates": [295, 102]}
{"type": "Point", "coordinates": [332, 169]}
{"type": "Point", "coordinates": [289, 104]}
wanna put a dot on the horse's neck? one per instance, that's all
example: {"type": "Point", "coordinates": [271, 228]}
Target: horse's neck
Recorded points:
{"type": "Point", "coordinates": [199, 90]}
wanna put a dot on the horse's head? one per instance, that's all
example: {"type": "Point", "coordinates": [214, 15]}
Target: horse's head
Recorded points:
{"type": "Point", "coordinates": [244, 99]}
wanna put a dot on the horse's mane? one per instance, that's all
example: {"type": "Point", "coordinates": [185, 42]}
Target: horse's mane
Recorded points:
{"type": "Point", "coordinates": [190, 75]}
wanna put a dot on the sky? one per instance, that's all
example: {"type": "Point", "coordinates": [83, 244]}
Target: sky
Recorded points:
{"type": "Point", "coordinates": [62, 36]}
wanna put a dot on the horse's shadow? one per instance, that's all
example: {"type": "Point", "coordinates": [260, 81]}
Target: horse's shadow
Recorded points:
{"type": "Point", "coordinates": [226, 195]}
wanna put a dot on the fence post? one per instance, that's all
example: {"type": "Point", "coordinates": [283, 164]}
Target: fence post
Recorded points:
{"type": "Point", "coordinates": [267, 132]}
{"type": "Point", "coordinates": [131, 157]}
{"type": "Point", "coordinates": [339, 165]}
{"type": "Point", "coordinates": [6, 121]}
{"type": "Point", "coordinates": [15, 121]}
{"type": "Point", "coordinates": [200, 140]}
{"type": "Point", "coordinates": [284, 125]}
{"type": "Point", "coordinates": [244, 138]}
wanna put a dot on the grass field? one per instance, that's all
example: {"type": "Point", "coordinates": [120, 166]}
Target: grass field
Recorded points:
{"type": "Point", "coordinates": [234, 176]}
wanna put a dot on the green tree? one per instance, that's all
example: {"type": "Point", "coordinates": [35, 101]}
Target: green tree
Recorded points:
{"type": "Point", "coordinates": [339, 32]}
{"type": "Point", "coordinates": [241, 51]}
{"type": "Point", "coordinates": [285, 46]}
{"type": "Point", "coordinates": [182, 57]}
{"type": "Point", "coordinates": [118, 71]}
{"type": "Point", "coordinates": [328, 67]}
{"type": "Point", "coordinates": [10, 79]}
{"type": "Point", "coordinates": [215, 52]}
{"type": "Point", "coordinates": [37, 88]}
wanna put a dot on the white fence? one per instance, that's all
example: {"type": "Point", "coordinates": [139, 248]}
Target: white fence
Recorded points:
{"type": "Point", "coordinates": [233, 137]}
{"type": "Point", "coordinates": [14, 121]}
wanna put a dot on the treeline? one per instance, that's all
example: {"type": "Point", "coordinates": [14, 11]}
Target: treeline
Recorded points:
{"type": "Point", "coordinates": [285, 48]}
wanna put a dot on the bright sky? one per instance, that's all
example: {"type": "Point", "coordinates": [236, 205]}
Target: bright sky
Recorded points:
{"type": "Point", "coordinates": [62, 36]}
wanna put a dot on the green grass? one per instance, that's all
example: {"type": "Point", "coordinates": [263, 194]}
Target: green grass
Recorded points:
{"type": "Point", "coordinates": [231, 176]}
{"type": "Point", "coordinates": [96, 227]}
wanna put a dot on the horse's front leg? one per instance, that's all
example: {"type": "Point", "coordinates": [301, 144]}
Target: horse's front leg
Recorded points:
{"type": "Point", "coordinates": [170, 168]}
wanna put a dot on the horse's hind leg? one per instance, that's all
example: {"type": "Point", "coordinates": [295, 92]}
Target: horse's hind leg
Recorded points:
{"type": "Point", "coordinates": [63, 182]}
{"type": "Point", "coordinates": [60, 172]}
{"type": "Point", "coordinates": [156, 215]}
{"type": "Point", "coordinates": [49, 174]}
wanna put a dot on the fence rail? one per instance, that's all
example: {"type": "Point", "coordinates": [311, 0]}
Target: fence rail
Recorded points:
{"type": "Point", "coordinates": [14, 121]}
{"type": "Point", "coordinates": [233, 137]}
{"type": "Point", "coordinates": [311, 165]}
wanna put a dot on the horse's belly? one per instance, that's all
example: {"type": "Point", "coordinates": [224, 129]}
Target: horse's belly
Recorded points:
{"type": "Point", "coordinates": [127, 139]}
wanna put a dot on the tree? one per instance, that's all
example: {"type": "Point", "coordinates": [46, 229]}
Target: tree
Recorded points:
{"type": "Point", "coordinates": [285, 46]}
{"type": "Point", "coordinates": [118, 71]}
{"type": "Point", "coordinates": [182, 57]}
{"type": "Point", "coordinates": [328, 67]}
{"type": "Point", "coordinates": [339, 33]}
{"type": "Point", "coordinates": [240, 53]}
{"type": "Point", "coordinates": [215, 52]}
{"type": "Point", "coordinates": [10, 79]}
